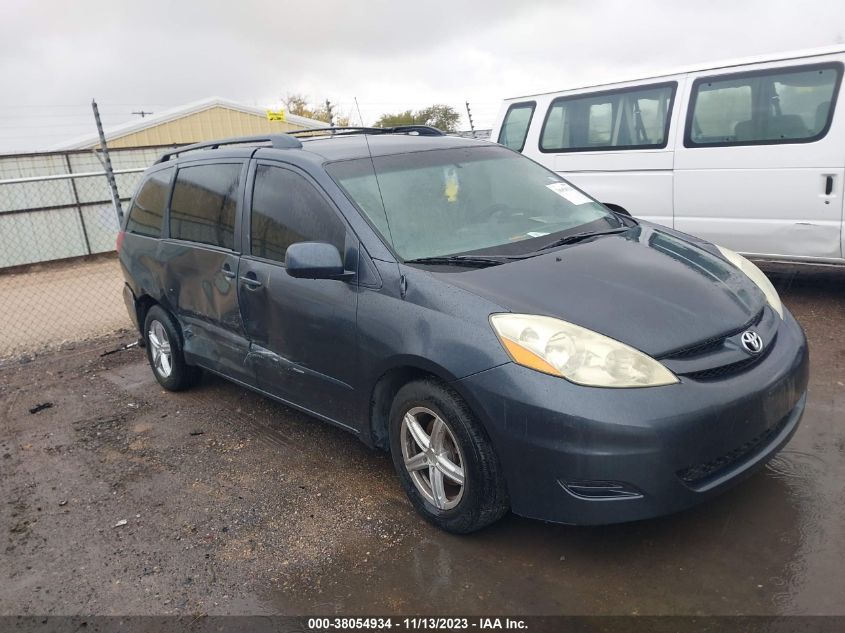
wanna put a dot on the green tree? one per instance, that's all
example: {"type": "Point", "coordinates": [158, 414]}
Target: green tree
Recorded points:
{"type": "Point", "coordinates": [441, 116]}
{"type": "Point", "coordinates": [402, 118]}
{"type": "Point", "coordinates": [298, 104]}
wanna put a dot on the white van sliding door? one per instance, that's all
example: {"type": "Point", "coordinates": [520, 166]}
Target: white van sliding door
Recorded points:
{"type": "Point", "coordinates": [763, 159]}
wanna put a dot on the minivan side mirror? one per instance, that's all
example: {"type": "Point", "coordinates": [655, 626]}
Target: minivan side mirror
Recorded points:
{"type": "Point", "coordinates": [315, 260]}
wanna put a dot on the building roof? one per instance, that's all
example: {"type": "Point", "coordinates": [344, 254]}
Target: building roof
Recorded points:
{"type": "Point", "coordinates": [179, 112]}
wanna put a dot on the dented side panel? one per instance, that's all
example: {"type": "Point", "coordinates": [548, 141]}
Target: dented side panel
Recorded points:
{"type": "Point", "coordinates": [201, 288]}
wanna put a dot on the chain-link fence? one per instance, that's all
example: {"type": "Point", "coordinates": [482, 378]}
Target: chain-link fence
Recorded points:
{"type": "Point", "coordinates": [60, 281]}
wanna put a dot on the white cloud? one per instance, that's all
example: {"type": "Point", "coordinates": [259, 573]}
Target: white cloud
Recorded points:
{"type": "Point", "coordinates": [392, 55]}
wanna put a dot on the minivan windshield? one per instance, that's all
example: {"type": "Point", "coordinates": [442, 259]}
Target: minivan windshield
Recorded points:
{"type": "Point", "coordinates": [481, 200]}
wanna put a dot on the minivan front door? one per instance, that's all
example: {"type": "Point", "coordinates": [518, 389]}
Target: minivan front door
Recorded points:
{"type": "Point", "coordinates": [201, 266]}
{"type": "Point", "coordinates": [302, 331]}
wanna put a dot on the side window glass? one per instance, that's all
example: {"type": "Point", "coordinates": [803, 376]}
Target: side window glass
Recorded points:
{"type": "Point", "coordinates": [287, 209]}
{"type": "Point", "coordinates": [147, 212]}
{"type": "Point", "coordinates": [600, 123]}
{"type": "Point", "coordinates": [204, 204]}
{"type": "Point", "coordinates": [515, 126]}
{"type": "Point", "coordinates": [771, 106]}
{"type": "Point", "coordinates": [631, 118]}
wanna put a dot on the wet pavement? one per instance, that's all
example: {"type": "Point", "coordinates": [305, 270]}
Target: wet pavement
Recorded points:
{"type": "Point", "coordinates": [236, 504]}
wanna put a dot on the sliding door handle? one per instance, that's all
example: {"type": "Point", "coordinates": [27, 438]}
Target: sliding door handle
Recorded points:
{"type": "Point", "coordinates": [251, 281]}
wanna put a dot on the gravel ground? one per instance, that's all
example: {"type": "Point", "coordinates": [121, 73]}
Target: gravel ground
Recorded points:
{"type": "Point", "coordinates": [121, 498]}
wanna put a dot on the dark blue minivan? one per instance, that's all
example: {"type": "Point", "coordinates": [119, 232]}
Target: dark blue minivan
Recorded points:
{"type": "Point", "coordinates": [512, 342]}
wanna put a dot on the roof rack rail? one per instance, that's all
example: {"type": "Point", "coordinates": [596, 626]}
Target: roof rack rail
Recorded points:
{"type": "Point", "coordinates": [277, 141]}
{"type": "Point", "coordinates": [420, 130]}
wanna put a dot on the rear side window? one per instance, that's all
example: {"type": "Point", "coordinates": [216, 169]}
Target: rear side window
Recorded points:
{"type": "Point", "coordinates": [515, 126]}
{"type": "Point", "coordinates": [204, 204]}
{"type": "Point", "coordinates": [287, 209]}
{"type": "Point", "coordinates": [630, 118]}
{"type": "Point", "coordinates": [779, 105]}
{"type": "Point", "coordinates": [147, 212]}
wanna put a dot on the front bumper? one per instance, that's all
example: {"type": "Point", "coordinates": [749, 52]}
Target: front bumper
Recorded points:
{"type": "Point", "coordinates": [588, 456]}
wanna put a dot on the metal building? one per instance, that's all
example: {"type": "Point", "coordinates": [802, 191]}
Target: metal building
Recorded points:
{"type": "Point", "coordinates": [204, 120]}
{"type": "Point", "coordinates": [57, 205]}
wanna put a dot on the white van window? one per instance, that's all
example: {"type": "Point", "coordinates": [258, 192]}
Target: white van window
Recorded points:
{"type": "Point", "coordinates": [515, 126]}
{"type": "Point", "coordinates": [631, 118]}
{"type": "Point", "coordinates": [771, 106]}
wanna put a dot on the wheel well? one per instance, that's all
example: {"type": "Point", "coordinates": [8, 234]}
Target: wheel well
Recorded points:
{"type": "Point", "coordinates": [142, 306]}
{"type": "Point", "coordinates": [617, 208]}
{"type": "Point", "coordinates": [385, 390]}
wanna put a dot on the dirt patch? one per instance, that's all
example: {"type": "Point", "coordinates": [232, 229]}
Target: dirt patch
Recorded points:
{"type": "Point", "coordinates": [53, 306]}
{"type": "Point", "coordinates": [214, 485]}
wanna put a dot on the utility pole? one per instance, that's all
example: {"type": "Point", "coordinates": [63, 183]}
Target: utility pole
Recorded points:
{"type": "Point", "coordinates": [469, 116]}
{"type": "Point", "coordinates": [106, 161]}
{"type": "Point", "coordinates": [142, 113]}
{"type": "Point", "coordinates": [329, 112]}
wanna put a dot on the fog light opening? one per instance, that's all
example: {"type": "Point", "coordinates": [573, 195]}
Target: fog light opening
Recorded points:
{"type": "Point", "coordinates": [600, 490]}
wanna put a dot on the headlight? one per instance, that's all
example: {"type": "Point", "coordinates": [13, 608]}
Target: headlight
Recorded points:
{"type": "Point", "coordinates": [756, 275]}
{"type": "Point", "coordinates": [580, 355]}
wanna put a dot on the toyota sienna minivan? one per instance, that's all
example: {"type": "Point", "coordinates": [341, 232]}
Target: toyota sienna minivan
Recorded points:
{"type": "Point", "coordinates": [513, 343]}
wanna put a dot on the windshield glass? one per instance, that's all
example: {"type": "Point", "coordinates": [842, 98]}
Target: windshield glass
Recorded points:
{"type": "Point", "coordinates": [460, 200]}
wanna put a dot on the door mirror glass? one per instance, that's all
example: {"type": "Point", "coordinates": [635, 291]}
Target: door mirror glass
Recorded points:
{"type": "Point", "coordinates": [314, 260]}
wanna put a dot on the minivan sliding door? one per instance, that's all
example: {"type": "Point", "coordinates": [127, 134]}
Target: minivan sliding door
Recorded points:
{"type": "Point", "coordinates": [201, 265]}
{"type": "Point", "coordinates": [761, 167]}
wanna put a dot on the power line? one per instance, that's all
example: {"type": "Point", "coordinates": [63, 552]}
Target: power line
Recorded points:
{"type": "Point", "coordinates": [76, 105]}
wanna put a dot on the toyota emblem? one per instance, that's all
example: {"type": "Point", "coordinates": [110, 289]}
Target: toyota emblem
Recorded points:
{"type": "Point", "coordinates": [751, 342]}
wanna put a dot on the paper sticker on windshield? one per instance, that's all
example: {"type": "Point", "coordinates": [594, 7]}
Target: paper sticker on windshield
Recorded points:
{"type": "Point", "coordinates": [565, 191]}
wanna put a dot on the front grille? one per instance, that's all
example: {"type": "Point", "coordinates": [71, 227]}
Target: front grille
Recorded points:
{"type": "Point", "coordinates": [724, 370]}
{"type": "Point", "coordinates": [696, 362]}
{"type": "Point", "coordinates": [709, 345]}
{"type": "Point", "coordinates": [701, 473]}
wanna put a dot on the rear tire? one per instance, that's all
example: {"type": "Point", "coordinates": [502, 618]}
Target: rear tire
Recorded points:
{"type": "Point", "coordinates": [436, 443]}
{"type": "Point", "coordinates": [164, 351]}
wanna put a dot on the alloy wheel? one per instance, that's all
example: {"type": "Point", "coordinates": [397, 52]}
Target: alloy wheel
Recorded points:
{"type": "Point", "coordinates": [160, 350]}
{"type": "Point", "coordinates": [433, 458]}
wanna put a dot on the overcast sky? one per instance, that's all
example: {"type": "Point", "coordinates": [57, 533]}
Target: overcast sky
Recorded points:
{"type": "Point", "coordinates": [392, 55]}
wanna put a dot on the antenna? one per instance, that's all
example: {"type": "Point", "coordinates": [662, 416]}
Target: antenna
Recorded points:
{"type": "Point", "coordinates": [359, 111]}
{"type": "Point", "coordinates": [380, 195]}
{"type": "Point", "coordinates": [143, 113]}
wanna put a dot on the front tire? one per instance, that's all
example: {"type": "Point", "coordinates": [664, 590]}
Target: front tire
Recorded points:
{"type": "Point", "coordinates": [164, 351]}
{"type": "Point", "coordinates": [444, 459]}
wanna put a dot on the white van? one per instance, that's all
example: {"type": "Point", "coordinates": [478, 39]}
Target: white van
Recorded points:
{"type": "Point", "coordinates": [747, 154]}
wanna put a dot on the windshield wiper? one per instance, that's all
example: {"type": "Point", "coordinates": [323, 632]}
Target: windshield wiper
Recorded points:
{"type": "Point", "coordinates": [478, 261]}
{"type": "Point", "coordinates": [577, 237]}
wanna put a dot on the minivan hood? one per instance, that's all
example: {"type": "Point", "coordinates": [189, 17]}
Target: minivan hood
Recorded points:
{"type": "Point", "coordinates": [646, 287]}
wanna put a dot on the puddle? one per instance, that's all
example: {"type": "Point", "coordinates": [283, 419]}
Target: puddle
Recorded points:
{"type": "Point", "coordinates": [797, 464]}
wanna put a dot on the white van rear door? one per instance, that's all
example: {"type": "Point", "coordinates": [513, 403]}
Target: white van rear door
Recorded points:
{"type": "Point", "coordinates": [760, 165]}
